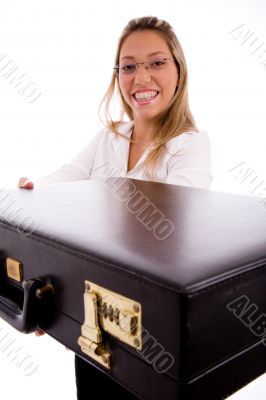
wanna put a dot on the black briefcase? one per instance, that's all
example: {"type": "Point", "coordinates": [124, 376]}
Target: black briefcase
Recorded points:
{"type": "Point", "coordinates": [162, 287]}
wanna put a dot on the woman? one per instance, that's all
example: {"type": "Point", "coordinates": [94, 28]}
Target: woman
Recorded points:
{"type": "Point", "coordinates": [158, 142]}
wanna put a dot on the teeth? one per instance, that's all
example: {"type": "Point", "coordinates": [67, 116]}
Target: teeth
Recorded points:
{"type": "Point", "coordinates": [145, 95]}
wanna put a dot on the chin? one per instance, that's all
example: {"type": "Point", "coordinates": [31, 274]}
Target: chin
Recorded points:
{"type": "Point", "coordinates": [145, 113]}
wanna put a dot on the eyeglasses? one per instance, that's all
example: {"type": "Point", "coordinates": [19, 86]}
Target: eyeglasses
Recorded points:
{"type": "Point", "coordinates": [154, 65]}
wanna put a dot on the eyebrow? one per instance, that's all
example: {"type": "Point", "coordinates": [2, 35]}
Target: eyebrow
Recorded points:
{"type": "Point", "coordinates": [155, 53]}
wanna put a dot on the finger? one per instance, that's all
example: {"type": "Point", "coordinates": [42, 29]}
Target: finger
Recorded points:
{"type": "Point", "coordinates": [25, 183]}
{"type": "Point", "coordinates": [39, 332]}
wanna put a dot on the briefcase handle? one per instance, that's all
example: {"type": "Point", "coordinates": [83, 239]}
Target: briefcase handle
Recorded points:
{"type": "Point", "coordinates": [25, 319]}
{"type": "Point", "coordinates": [35, 299]}
{"type": "Point", "coordinates": [24, 305]}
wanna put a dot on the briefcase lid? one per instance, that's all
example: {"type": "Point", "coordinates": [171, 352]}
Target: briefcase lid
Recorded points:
{"type": "Point", "coordinates": [182, 237]}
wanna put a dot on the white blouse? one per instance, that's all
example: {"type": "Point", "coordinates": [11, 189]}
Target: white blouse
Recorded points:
{"type": "Point", "coordinates": [186, 160]}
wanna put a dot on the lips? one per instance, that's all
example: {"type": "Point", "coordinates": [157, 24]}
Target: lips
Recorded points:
{"type": "Point", "coordinates": [145, 95]}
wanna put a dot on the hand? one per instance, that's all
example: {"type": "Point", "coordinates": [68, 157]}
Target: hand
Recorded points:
{"type": "Point", "coordinates": [39, 332]}
{"type": "Point", "coordinates": [25, 183]}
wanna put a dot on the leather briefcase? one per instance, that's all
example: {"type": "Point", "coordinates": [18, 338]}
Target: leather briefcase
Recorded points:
{"type": "Point", "coordinates": [161, 287]}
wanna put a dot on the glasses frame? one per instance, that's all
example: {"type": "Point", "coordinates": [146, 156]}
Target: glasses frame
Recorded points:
{"type": "Point", "coordinates": [117, 68]}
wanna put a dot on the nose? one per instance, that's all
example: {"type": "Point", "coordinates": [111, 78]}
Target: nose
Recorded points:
{"type": "Point", "coordinates": [142, 74]}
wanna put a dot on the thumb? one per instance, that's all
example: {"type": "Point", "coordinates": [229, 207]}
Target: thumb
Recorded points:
{"type": "Point", "coordinates": [25, 183]}
{"type": "Point", "coordinates": [39, 332]}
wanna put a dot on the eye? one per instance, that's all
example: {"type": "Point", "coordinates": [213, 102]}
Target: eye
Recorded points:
{"type": "Point", "coordinates": [128, 68]}
{"type": "Point", "coordinates": [157, 64]}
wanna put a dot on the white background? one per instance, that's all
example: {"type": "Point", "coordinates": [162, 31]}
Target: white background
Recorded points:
{"type": "Point", "coordinates": [67, 48]}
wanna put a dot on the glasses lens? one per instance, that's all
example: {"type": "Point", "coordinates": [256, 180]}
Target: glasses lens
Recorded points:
{"type": "Point", "coordinates": [154, 64]}
{"type": "Point", "coordinates": [157, 64]}
{"type": "Point", "coordinates": [128, 68]}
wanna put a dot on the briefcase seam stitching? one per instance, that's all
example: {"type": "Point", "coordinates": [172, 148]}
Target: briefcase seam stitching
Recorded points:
{"type": "Point", "coordinates": [232, 278]}
{"type": "Point", "coordinates": [146, 281]}
{"type": "Point", "coordinates": [76, 253]}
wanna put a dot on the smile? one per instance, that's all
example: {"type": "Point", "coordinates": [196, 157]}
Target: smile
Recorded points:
{"type": "Point", "coordinates": [145, 96]}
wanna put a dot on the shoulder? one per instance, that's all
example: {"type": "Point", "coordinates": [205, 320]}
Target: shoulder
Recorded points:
{"type": "Point", "coordinates": [189, 139]}
{"type": "Point", "coordinates": [124, 128]}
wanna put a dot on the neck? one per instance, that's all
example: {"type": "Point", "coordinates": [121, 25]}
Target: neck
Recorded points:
{"type": "Point", "coordinates": [142, 133]}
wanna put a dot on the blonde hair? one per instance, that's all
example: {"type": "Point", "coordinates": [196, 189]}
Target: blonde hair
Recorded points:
{"type": "Point", "coordinates": [174, 120]}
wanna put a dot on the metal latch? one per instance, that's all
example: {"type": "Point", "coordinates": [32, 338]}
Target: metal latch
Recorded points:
{"type": "Point", "coordinates": [108, 311]}
{"type": "Point", "coordinates": [14, 269]}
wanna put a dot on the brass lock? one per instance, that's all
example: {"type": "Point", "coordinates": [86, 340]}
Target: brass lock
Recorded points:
{"type": "Point", "coordinates": [14, 269]}
{"type": "Point", "coordinates": [108, 311]}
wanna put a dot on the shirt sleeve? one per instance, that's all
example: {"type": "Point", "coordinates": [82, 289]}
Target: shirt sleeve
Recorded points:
{"type": "Point", "coordinates": [191, 163]}
{"type": "Point", "coordinates": [78, 168]}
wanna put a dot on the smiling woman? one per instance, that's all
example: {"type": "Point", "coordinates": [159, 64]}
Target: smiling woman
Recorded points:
{"type": "Point", "coordinates": [152, 81]}
{"type": "Point", "coordinates": [155, 139]}
{"type": "Point", "coordinates": [147, 91]}
{"type": "Point", "coordinates": [152, 86]}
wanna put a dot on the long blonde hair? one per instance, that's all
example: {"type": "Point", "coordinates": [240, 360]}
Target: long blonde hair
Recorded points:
{"type": "Point", "coordinates": [174, 120]}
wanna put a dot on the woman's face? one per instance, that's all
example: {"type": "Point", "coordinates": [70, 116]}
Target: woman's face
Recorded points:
{"type": "Point", "coordinates": [147, 90]}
